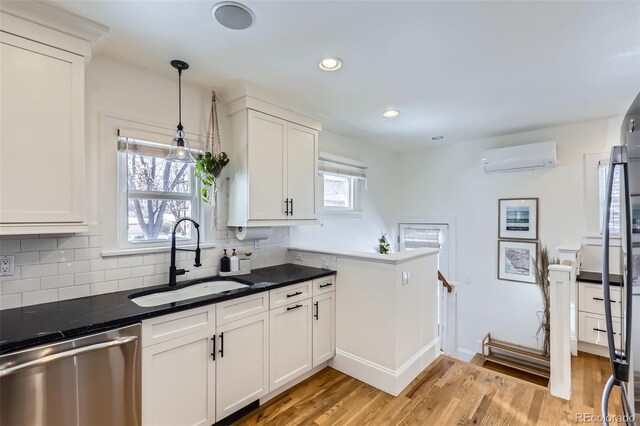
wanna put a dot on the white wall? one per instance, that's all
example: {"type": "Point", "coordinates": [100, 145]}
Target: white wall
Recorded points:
{"type": "Point", "coordinates": [446, 181]}
{"type": "Point", "coordinates": [378, 200]}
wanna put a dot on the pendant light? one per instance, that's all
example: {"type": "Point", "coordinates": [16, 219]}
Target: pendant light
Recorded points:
{"type": "Point", "coordinates": [180, 150]}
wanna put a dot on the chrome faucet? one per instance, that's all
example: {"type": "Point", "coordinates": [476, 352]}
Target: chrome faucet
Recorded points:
{"type": "Point", "coordinates": [173, 272]}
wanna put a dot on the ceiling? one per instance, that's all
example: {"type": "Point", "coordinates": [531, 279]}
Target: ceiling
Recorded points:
{"type": "Point", "coordinates": [464, 70]}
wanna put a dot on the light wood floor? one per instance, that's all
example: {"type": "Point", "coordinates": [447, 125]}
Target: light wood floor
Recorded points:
{"type": "Point", "coordinates": [447, 392]}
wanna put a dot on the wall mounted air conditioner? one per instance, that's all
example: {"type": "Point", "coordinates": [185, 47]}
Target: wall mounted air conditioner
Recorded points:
{"type": "Point", "coordinates": [521, 157]}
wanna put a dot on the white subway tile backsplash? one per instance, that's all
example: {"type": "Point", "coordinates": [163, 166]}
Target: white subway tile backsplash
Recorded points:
{"type": "Point", "coordinates": [73, 242]}
{"type": "Point", "coordinates": [141, 271]}
{"type": "Point", "coordinates": [102, 264]}
{"type": "Point", "coordinates": [103, 287]}
{"type": "Point", "coordinates": [87, 253]}
{"type": "Point", "coordinates": [65, 266]}
{"type": "Point", "coordinates": [32, 271]}
{"type": "Point", "coordinates": [73, 267]}
{"type": "Point", "coordinates": [73, 292]}
{"type": "Point", "coordinates": [10, 301]}
{"type": "Point", "coordinates": [56, 281]}
{"type": "Point", "coordinates": [117, 274]}
{"type": "Point", "coordinates": [42, 296]}
{"type": "Point", "coordinates": [89, 277]}
{"type": "Point", "coordinates": [38, 244]}
{"type": "Point", "coordinates": [9, 247]}
{"type": "Point", "coordinates": [152, 259]}
{"type": "Point", "coordinates": [19, 286]}
{"type": "Point", "coordinates": [128, 261]}
{"type": "Point", "coordinates": [29, 258]}
{"type": "Point", "coordinates": [130, 283]}
{"type": "Point", "coordinates": [55, 256]}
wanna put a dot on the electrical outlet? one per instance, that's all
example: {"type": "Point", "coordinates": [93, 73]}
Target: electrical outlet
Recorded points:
{"type": "Point", "coordinates": [467, 280]}
{"type": "Point", "coordinates": [7, 266]}
{"type": "Point", "coordinates": [406, 276]}
{"type": "Point", "coordinates": [299, 257]}
{"type": "Point", "coordinates": [256, 245]}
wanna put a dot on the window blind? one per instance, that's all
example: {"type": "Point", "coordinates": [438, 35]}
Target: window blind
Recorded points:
{"type": "Point", "coordinates": [415, 237]}
{"type": "Point", "coordinates": [146, 142]}
{"type": "Point", "coordinates": [329, 163]}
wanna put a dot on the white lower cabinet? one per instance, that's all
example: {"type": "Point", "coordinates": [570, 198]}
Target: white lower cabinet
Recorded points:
{"type": "Point", "coordinates": [290, 344]}
{"type": "Point", "coordinates": [197, 373]}
{"type": "Point", "coordinates": [178, 381]}
{"type": "Point", "coordinates": [324, 327]}
{"type": "Point", "coordinates": [242, 363]}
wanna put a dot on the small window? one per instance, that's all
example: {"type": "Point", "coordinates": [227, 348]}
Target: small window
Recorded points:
{"type": "Point", "coordinates": [338, 191]}
{"type": "Point", "coordinates": [614, 220]}
{"type": "Point", "coordinates": [154, 195]}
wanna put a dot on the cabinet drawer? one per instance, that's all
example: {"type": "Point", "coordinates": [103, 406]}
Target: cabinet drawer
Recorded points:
{"type": "Point", "coordinates": [593, 329]}
{"type": "Point", "coordinates": [243, 307]}
{"type": "Point", "coordinates": [171, 326]}
{"type": "Point", "coordinates": [324, 285]}
{"type": "Point", "coordinates": [289, 294]}
{"type": "Point", "coordinates": [592, 299]}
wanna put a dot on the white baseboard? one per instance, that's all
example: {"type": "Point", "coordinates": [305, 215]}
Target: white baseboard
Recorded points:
{"type": "Point", "coordinates": [593, 349]}
{"type": "Point", "coordinates": [465, 354]}
{"type": "Point", "coordinates": [293, 382]}
{"type": "Point", "coordinates": [383, 378]}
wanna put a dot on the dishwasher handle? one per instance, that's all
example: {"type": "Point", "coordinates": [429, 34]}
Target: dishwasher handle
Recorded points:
{"type": "Point", "coordinates": [67, 354]}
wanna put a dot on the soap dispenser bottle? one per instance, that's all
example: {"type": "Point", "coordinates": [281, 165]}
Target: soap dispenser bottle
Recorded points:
{"type": "Point", "coordinates": [235, 266]}
{"type": "Point", "coordinates": [225, 262]}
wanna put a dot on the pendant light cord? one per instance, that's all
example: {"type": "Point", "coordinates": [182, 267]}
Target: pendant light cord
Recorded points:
{"type": "Point", "coordinates": [179, 99]}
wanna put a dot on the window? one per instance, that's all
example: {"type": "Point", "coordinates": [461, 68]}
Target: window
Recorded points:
{"type": "Point", "coordinates": [342, 181]}
{"type": "Point", "coordinates": [338, 191]}
{"type": "Point", "coordinates": [154, 194]}
{"type": "Point", "coordinates": [614, 220]}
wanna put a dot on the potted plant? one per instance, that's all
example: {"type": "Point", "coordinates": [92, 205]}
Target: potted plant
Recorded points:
{"type": "Point", "coordinates": [210, 164]}
{"type": "Point", "coordinates": [384, 245]}
{"type": "Point", "coordinates": [208, 169]}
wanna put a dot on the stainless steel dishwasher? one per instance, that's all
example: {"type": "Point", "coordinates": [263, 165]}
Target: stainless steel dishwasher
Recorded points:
{"type": "Point", "coordinates": [91, 380]}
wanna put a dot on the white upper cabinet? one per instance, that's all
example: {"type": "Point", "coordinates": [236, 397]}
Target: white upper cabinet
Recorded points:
{"type": "Point", "coordinates": [42, 136]}
{"type": "Point", "coordinates": [274, 166]}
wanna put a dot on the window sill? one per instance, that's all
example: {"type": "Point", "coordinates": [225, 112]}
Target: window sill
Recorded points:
{"type": "Point", "coordinates": [147, 250]}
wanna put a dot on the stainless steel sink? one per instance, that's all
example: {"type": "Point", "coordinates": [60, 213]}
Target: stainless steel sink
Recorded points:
{"type": "Point", "coordinates": [163, 297]}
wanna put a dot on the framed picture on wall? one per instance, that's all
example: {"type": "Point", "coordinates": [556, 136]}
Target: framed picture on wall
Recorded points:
{"type": "Point", "coordinates": [517, 260]}
{"type": "Point", "coordinates": [518, 218]}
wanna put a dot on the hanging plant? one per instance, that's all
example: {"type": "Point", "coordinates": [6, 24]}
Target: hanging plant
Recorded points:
{"type": "Point", "coordinates": [384, 245]}
{"type": "Point", "coordinates": [209, 165]}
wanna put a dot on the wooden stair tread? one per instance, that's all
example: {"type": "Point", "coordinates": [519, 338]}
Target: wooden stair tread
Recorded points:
{"type": "Point", "coordinates": [516, 350]}
{"type": "Point", "coordinates": [518, 365]}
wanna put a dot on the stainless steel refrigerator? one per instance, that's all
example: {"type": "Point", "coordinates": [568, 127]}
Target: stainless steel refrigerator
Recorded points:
{"type": "Point", "coordinates": [625, 359]}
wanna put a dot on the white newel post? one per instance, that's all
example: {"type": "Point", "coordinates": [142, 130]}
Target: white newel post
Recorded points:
{"type": "Point", "coordinates": [560, 277]}
{"type": "Point", "coordinates": [572, 253]}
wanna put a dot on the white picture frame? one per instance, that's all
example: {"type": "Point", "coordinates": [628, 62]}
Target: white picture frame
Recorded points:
{"type": "Point", "coordinates": [518, 218]}
{"type": "Point", "coordinates": [517, 261]}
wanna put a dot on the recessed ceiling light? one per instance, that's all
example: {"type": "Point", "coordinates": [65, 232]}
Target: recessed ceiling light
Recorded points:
{"type": "Point", "coordinates": [330, 64]}
{"type": "Point", "coordinates": [390, 113]}
{"type": "Point", "coordinates": [437, 138]}
{"type": "Point", "coordinates": [233, 15]}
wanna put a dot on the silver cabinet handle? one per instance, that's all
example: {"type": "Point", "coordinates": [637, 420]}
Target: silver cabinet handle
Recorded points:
{"type": "Point", "coordinates": [68, 354]}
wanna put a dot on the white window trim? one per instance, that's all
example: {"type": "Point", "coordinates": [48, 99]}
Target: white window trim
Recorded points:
{"type": "Point", "coordinates": [109, 185]}
{"type": "Point", "coordinates": [353, 212]}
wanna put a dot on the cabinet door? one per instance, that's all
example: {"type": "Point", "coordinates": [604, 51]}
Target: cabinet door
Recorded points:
{"type": "Point", "coordinates": [324, 327]}
{"type": "Point", "coordinates": [42, 133]}
{"type": "Point", "coordinates": [302, 171]}
{"type": "Point", "coordinates": [178, 381]}
{"type": "Point", "coordinates": [267, 154]}
{"type": "Point", "coordinates": [242, 363]}
{"type": "Point", "coordinates": [290, 342]}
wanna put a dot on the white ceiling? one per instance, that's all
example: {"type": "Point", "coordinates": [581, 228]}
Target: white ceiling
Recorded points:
{"type": "Point", "coordinates": [459, 69]}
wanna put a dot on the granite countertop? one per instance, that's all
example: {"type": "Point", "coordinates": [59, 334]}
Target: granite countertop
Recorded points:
{"type": "Point", "coordinates": [596, 278]}
{"type": "Point", "coordinates": [33, 325]}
